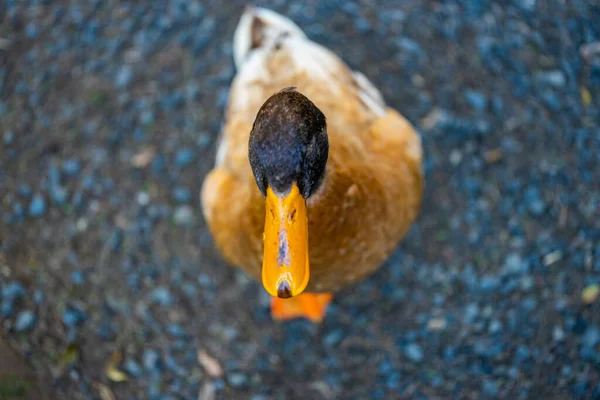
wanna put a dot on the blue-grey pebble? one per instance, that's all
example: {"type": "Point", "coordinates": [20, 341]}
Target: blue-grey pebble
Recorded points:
{"type": "Point", "coordinates": [25, 321]}
{"type": "Point", "coordinates": [414, 352]}
{"type": "Point", "coordinates": [37, 206]}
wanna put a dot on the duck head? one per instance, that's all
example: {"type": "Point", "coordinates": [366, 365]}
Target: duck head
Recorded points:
{"type": "Point", "coordinates": [288, 150]}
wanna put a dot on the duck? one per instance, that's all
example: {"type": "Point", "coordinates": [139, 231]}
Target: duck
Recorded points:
{"type": "Point", "coordinates": [316, 180]}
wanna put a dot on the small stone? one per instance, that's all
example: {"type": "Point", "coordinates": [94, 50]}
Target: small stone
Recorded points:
{"type": "Point", "coordinates": [73, 316]}
{"type": "Point", "coordinates": [124, 76]}
{"type": "Point", "coordinates": [176, 330]}
{"type": "Point", "coordinates": [552, 258]}
{"type": "Point", "coordinates": [133, 368]}
{"type": "Point", "coordinates": [558, 334]}
{"type": "Point", "coordinates": [471, 313]}
{"type": "Point", "coordinates": [522, 353]}
{"type": "Point", "coordinates": [555, 78]}
{"type": "Point", "coordinates": [192, 91]}
{"type": "Point", "coordinates": [37, 207]}
{"type": "Point", "coordinates": [333, 338]}
{"type": "Point", "coordinates": [490, 388]}
{"type": "Point", "coordinates": [455, 157]}
{"type": "Point", "coordinates": [71, 167]}
{"type": "Point", "coordinates": [237, 379]}
{"type": "Point", "coordinates": [8, 137]}
{"type": "Point", "coordinates": [184, 157]}
{"type": "Point", "coordinates": [183, 215]}
{"type": "Point", "coordinates": [414, 352]}
{"type": "Point", "coordinates": [489, 283]}
{"type": "Point", "coordinates": [54, 175]}
{"type": "Point", "coordinates": [591, 337]}
{"type": "Point", "coordinates": [25, 321]}
{"type": "Point", "coordinates": [514, 264]}
{"type": "Point", "coordinates": [18, 210]}
{"type": "Point", "coordinates": [182, 194]}
{"type": "Point", "coordinates": [203, 141]}
{"type": "Point", "coordinates": [143, 198]}
{"type": "Point", "coordinates": [147, 117]}
{"type": "Point", "coordinates": [495, 327]}
{"type": "Point", "coordinates": [527, 282]}
{"type": "Point", "coordinates": [58, 194]}
{"type": "Point", "coordinates": [161, 295]}
{"type": "Point", "coordinates": [38, 297]}
{"type": "Point", "coordinates": [12, 291]}
{"type": "Point", "coordinates": [362, 25]}
{"type": "Point", "coordinates": [32, 31]}
{"type": "Point", "coordinates": [436, 324]}
{"type": "Point", "coordinates": [528, 5]}
{"type": "Point", "coordinates": [477, 99]}
{"type": "Point", "coordinates": [534, 201]}
{"type": "Point", "coordinates": [195, 9]}
{"type": "Point", "coordinates": [6, 309]}
{"type": "Point", "coordinates": [263, 397]}
{"type": "Point", "coordinates": [25, 190]}
{"type": "Point", "coordinates": [77, 278]}
{"type": "Point", "coordinates": [144, 157]}
{"type": "Point", "coordinates": [151, 359]}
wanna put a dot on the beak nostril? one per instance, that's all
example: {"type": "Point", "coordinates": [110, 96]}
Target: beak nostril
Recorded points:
{"type": "Point", "coordinates": [292, 216]}
{"type": "Point", "coordinates": [284, 291]}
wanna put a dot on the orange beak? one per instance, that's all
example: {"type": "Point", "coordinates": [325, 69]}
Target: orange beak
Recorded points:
{"type": "Point", "coordinates": [285, 269]}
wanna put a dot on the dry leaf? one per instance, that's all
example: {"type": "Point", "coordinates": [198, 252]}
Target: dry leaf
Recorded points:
{"type": "Point", "coordinates": [431, 120]}
{"type": "Point", "coordinates": [210, 364]}
{"type": "Point", "coordinates": [493, 156]}
{"type": "Point", "coordinates": [105, 392]}
{"type": "Point", "coordinates": [66, 361]}
{"type": "Point", "coordinates": [71, 354]}
{"type": "Point", "coordinates": [112, 372]}
{"type": "Point", "coordinates": [207, 392]}
{"type": "Point", "coordinates": [590, 294]}
{"type": "Point", "coordinates": [143, 158]}
{"type": "Point", "coordinates": [586, 96]}
{"type": "Point", "coordinates": [115, 375]}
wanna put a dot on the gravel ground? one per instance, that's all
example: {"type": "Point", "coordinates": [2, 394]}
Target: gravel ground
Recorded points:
{"type": "Point", "coordinates": [109, 279]}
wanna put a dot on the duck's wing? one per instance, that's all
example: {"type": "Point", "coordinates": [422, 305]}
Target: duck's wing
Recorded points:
{"type": "Point", "coordinates": [234, 213]}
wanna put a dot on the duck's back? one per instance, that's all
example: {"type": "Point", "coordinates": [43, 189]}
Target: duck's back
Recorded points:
{"type": "Point", "coordinates": [373, 184]}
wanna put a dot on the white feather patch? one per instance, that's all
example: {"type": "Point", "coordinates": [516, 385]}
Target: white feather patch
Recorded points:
{"type": "Point", "coordinates": [273, 26]}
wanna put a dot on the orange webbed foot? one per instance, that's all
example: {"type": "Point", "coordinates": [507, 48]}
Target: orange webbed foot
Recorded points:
{"type": "Point", "coordinates": [312, 306]}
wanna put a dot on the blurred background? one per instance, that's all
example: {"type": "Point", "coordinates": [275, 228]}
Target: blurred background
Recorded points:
{"type": "Point", "coordinates": [110, 284]}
